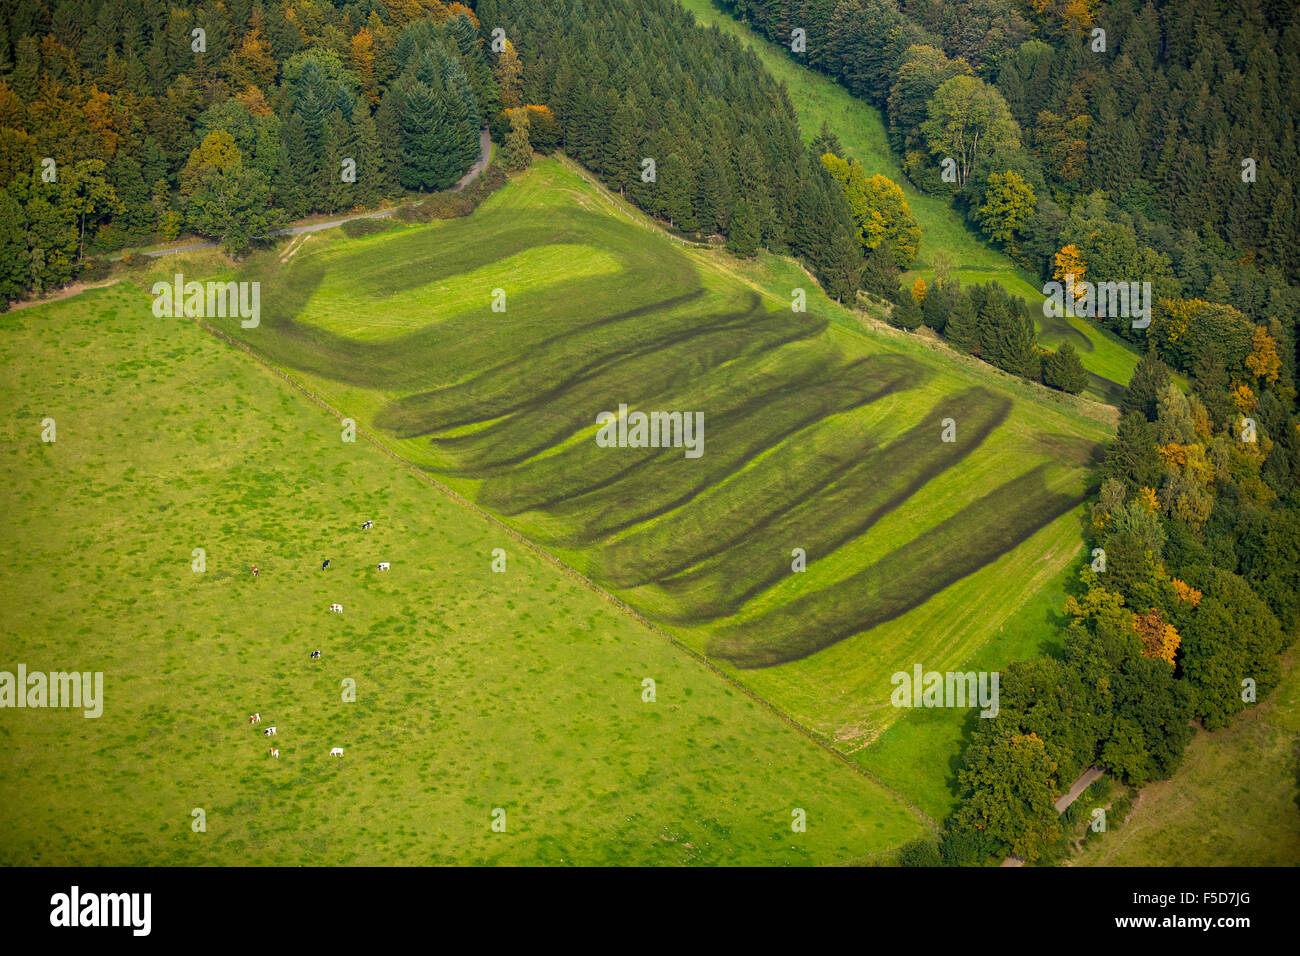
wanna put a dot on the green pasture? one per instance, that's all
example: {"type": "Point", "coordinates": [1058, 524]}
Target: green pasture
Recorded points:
{"type": "Point", "coordinates": [474, 690]}
{"type": "Point", "coordinates": [820, 434]}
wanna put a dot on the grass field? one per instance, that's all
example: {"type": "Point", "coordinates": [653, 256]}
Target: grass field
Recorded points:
{"type": "Point", "coordinates": [820, 435]}
{"type": "Point", "coordinates": [1235, 801]}
{"type": "Point", "coordinates": [474, 690]}
{"type": "Point", "coordinates": [861, 128]}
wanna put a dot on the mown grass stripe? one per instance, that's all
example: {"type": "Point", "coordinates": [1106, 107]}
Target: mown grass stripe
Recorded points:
{"type": "Point", "coordinates": [904, 579]}
{"type": "Point", "coordinates": [670, 480]}
{"type": "Point", "coordinates": [648, 375]}
{"type": "Point", "coordinates": [882, 481]}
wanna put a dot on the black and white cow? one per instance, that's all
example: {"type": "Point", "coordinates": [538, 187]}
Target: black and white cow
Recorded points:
{"type": "Point", "coordinates": [324, 565]}
{"type": "Point", "coordinates": [315, 655]}
{"type": "Point", "coordinates": [367, 524]}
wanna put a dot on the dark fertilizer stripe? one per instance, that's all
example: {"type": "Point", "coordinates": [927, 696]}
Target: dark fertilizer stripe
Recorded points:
{"type": "Point", "coordinates": [880, 483]}
{"type": "Point", "coordinates": [669, 481]}
{"type": "Point", "coordinates": [901, 581]}
{"type": "Point", "coordinates": [498, 390]}
{"type": "Point", "coordinates": [585, 467]}
{"type": "Point", "coordinates": [648, 375]}
{"type": "Point", "coordinates": [727, 513]}
{"type": "Point", "coordinates": [465, 339]}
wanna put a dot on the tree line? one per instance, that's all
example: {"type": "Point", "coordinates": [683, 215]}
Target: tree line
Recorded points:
{"type": "Point", "coordinates": [1190, 593]}
{"type": "Point", "coordinates": [122, 123]}
{"type": "Point", "coordinates": [1121, 157]}
{"type": "Point", "coordinates": [685, 123]}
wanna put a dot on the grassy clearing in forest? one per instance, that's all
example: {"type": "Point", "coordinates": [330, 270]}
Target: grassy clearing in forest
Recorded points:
{"type": "Point", "coordinates": [512, 425]}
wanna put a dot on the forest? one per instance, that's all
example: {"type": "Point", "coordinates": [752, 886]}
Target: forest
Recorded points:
{"type": "Point", "coordinates": [119, 127]}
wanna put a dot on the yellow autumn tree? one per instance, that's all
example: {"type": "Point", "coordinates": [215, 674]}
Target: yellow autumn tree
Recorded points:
{"type": "Point", "coordinates": [103, 123]}
{"type": "Point", "coordinates": [1160, 639]}
{"type": "Point", "coordinates": [1173, 454]}
{"type": "Point", "coordinates": [1185, 593]}
{"type": "Point", "coordinates": [1263, 360]}
{"type": "Point", "coordinates": [401, 12]}
{"type": "Point", "coordinates": [1077, 15]}
{"type": "Point", "coordinates": [363, 63]}
{"type": "Point", "coordinates": [918, 290]}
{"type": "Point", "coordinates": [217, 151]}
{"type": "Point", "coordinates": [509, 71]}
{"type": "Point", "coordinates": [254, 100]}
{"type": "Point", "coordinates": [1069, 262]}
{"type": "Point", "coordinates": [1173, 317]}
{"type": "Point", "coordinates": [253, 64]}
{"type": "Point", "coordinates": [1243, 396]}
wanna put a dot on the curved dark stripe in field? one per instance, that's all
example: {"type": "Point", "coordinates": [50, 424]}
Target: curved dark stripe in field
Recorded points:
{"type": "Point", "coordinates": [583, 467]}
{"type": "Point", "coordinates": [902, 580]}
{"type": "Point", "coordinates": [461, 344]}
{"type": "Point", "coordinates": [420, 257]}
{"type": "Point", "coordinates": [497, 391]}
{"type": "Point", "coordinates": [1071, 449]}
{"type": "Point", "coordinates": [784, 466]}
{"type": "Point", "coordinates": [1057, 325]}
{"type": "Point", "coordinates": [881, 482]}
{"type": "Point", "coordinates": [648, 375]}
{"type": "Point", "coordinates": [723, 515]}
{"type": "Point", "coordinates": [1112, 392]}
{"type": "Point", "coordinates": [671, 480]}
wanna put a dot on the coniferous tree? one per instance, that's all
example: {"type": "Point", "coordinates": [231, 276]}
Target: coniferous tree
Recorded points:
{"type": "Point", "coordinates": [1062, 370]}
{"type": "Point", "coordinates": [742, 239]}
{"type": "Point", "coordinates": [1150, 378]}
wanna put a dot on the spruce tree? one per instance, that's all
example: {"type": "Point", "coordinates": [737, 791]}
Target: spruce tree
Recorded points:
{"type": "Point", "coordinates": [1132, 458]}
{"type": "Point", "coordinates": [906, 313]}
{"type": "Point", "coordinates": [1149, 379]}
{"type": "Point", "coordinates": [1062, 370]}
{"type": "Point", "coordinates": [742, 237]}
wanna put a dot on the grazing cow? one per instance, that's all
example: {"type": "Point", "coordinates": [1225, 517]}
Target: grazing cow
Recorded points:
{"type": "Point", "coordinates": [275, 751]}
{"type": "Point", "coordinates": [367, 524]}
{"type": "Point", "coordinates": [254, 718]}
{"type": "Point", "coordinates": [336, 752]}
{"type": "Point", "coordinates": [270, 731]}
{"type": "Point", "coordinates": [383, 565]}
{"type": "Point", "coordinates": [336, 608]}
{"type": "Point", "coordinates": [315, 655]}
{"type": "Point", "coordinates": [255, 570]}
{"type": "Point", "coordinates": [324, 565]}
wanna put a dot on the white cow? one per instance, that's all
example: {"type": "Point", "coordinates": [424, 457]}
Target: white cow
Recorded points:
{"type": "Point", "coordinates": [383, 565]}
{"type": "Point", "coordinates": [336, 752]}
{"type": "Point", "coordinates": [269, 732]}
{"type": "Point", "coordinates": [254, 718]}
{"type": "Point", "coordinates": [275, 751]}
{"type": "Point", "coordinates": [336, 608]}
